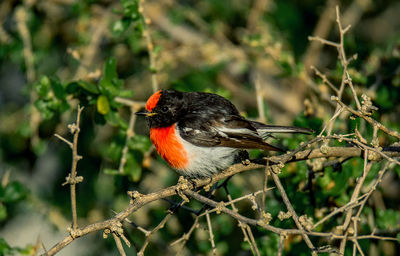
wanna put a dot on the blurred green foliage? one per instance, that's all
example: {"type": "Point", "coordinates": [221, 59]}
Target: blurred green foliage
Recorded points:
{"type": "Point", "coordinates": [63, 35]}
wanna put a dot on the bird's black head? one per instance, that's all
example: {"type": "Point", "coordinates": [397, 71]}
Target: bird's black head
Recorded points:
{"type": "Point", "coordinates": [164, 108]}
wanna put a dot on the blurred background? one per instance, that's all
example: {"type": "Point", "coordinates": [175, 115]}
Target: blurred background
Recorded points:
{"type": "Point", "coordinates": [56, 54]}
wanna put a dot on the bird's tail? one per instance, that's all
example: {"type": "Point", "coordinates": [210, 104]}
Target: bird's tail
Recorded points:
{"type": "Point", "coordinates": [265, 130]}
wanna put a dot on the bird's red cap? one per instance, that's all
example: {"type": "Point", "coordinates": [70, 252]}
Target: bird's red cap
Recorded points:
{"type": "Point", "coordinates": [153, 100]}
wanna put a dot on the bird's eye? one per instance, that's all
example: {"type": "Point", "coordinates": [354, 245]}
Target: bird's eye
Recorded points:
{"type": "Point", "coordinates": [164, 109]}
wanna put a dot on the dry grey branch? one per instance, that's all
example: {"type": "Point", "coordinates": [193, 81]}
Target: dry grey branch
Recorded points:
{"type": "Point", "coordinates": [370, 120]}
{"type": "Point", "coordinates": [150, 47]}
{"type": "Point", "coordinates": [139, 200]}
{"type": "Point", "coordinates": [72, 179]}
{"type": "Point", "coordinates": [210, 231]}
{"type": "Point", "coordinates": [290, 208]}
{"type": "Point", "coordinates": [129, 134]}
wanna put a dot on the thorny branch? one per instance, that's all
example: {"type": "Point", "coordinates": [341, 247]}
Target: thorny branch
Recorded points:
{"type": "Point", "coordinates": [210, 231]}
{"type": "Point", "coordinates": [346, 79]}
{"type": "Point", "coordinates": [291, 210]}
{"type": "Point", "coordinates": [72, 179]}
{"type": "Point", "coordinates": [139, 200]}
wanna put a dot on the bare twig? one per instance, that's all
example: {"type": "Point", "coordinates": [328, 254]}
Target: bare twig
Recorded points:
{"type": "Point", "coordinates": [129, 134]}
{"type": "Point", "coordinates": [70, 144]}
{"type": "Point", "coordinates": [214, 249]}
{"type": "Point", "coordinates": [346, 79]}
{"type": "Point", "coordinates": [150, 47]}
{"type": "Point", "coordinates": [322, 29]}
{"type": "Point", "coordinates": [370, 120]}
{"type": "Point", "coordinates": [350, 204]}
{"type": "Point", "coordinates": [252, 241]}
{"type": "Point", "coordinates": [323, 41]}
{"type": "Point", "coordinates": [265, 186]}
{"type": "Point", "coordinates": [246, 230]}
{"type": "Point", "coordinates": [357, 189]}
{"type": "Point", "coordinates": [148, 235]}
{"type": "Point", "coordinates": [119, 245]}
{"type": "Point", "coordinates": [72, 179]}
{"type": "Point", "coordinates": [325, 80]}
{"type": "Point", "coordinates": [291, 210]}
{"type": "Point", "coordinates": [281, 241]}
{"type": "Point", "coordinates": [185, 237]}
{"type": "Point", "coordinates": [343, 59]}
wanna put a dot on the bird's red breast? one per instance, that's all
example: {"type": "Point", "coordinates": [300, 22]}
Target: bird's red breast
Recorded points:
{"type": "Point", "coordinates": [168, 146]}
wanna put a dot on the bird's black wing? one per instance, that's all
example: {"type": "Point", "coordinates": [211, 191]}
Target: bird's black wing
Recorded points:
{"type": "Point", "coordinates": [216, 130]}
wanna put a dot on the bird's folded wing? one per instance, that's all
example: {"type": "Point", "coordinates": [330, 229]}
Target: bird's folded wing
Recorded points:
{"type": "Point", "coordinates": [222, 131]}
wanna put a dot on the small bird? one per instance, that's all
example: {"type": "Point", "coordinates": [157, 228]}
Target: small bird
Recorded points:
{"type": "Point", "coordinates": [200, 134]}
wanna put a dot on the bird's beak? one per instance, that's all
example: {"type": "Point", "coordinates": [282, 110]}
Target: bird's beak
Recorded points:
{"type": "Point", "coordinates": [145, 113]}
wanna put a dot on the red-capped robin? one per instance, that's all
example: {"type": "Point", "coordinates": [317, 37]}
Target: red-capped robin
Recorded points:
{"type": "Point", "coordinates": [200, 133]}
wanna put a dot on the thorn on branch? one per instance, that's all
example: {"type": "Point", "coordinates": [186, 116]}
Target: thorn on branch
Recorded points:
{"type": "Point", "coordinates": [64, 140]}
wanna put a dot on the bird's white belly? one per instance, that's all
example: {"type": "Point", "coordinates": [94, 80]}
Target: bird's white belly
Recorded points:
{"type": "Point", "coordinates": [205, 161]}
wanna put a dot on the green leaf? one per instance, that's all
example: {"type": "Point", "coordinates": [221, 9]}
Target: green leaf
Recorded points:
{"type": "Point", "coordinates": [5, 248]}
{"type": "Point", "coordinates": [120, 26]}
{"type": "Point", "coordinates": [157, 49]}
{"type": "Point", "coordinates": [109, 84]}
{"type": "Point", "coordinates": [113, 118]}
{"type": "Point", "coordinates": [131, 9]}
{"type": "Point", "coordinates": [384, 97]}
{"type": "Point", "coordinates": [103, 106]}
{"type": "Point", "coordinates": [133, 168]}
{"type": "Point", "coordinates": [72, 87]}
{"type": "Point", "coordinates": [3, 213]}
{"type": "Point", "coordinates": [13, 192]}
{"type": "Point", "coordinates": [398, 237]}
{"type": "Point", "coordinates": [43, 107]}
{"type": "Point", "coordinates": [28, 250]}
{"type": "Point", "coordinates": [314, 123]}
{"type": "Point", "coordinates": [42, 87]}
{"type": "Point", "coordinates": [58, 89]}
{"type": "Point", "coordinates": [125, 93]}
{"type": "Point", "coordinates": [40, 147]}
{"type": "Point", "coordinates": [397, 170]}
{"type": "Point", "coordinates": [269, 244]}
{"type": "Point", "coordinates": [225, 225]}
{"type": "Point", "coordinates": [110, 69]}
{"type": "Point", "coordinates": [88, 87]}
{"type": "Point", "coordinates": [139, 142]}
{"type": "Point", "coordinates": [114, 151]}
{"type": "Point", "coordinates": [387, 219]}
{"type": "Point", "coordinates": [110, 171]}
